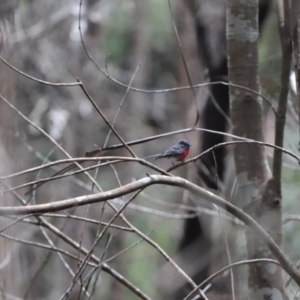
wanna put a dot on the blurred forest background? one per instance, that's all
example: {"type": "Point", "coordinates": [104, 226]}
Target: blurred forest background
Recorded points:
{"type": "Point", "coordinates": [134, 42]}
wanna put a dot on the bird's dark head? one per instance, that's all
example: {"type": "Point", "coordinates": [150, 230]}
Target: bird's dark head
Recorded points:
{"type": "Point", "coordinates": [185, 144]}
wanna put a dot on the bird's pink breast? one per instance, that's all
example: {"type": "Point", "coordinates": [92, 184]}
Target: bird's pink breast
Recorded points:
{"type": "Point", "coordinates": [183, 155]}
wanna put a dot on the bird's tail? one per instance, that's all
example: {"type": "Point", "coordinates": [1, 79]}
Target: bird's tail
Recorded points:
{"type": "Point", "coordinates": [158, 156]}
{"type": "Point", "coordinates": [154, 156]}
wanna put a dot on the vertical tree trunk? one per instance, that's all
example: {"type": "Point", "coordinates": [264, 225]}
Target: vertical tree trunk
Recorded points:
{"type": "Point", "coordinates": [253, 175]}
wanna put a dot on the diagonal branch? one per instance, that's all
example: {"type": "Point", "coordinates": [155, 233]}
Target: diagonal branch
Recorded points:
{"type": "Point", "coordinates": [166, 180]}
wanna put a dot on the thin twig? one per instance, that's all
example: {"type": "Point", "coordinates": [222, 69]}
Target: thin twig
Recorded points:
{"type": "Point", "coordinates": [83, 263]}
{"type": "Point", "coordinates": [121, 105]}
{"type": "Point", "coordinates": [141, 161]}
{"type": "Point", "coordinates": [185, 65]}
{"type": "Point", "coordinates": [223, 228]}
{"type": "Point", "coordinates": [117, 113]}
{"type": "Point", "coordinates": [36, 79]}
{"type": "Point", "coordinates": [75, 245]}
{"type": "Point", "coordinates": [107, 268]}
{"type": "Point", "coordinates": [45, 134]}
{"type": "Point", "coordinates": [83, 170]}
{"type": "Point", "coordinates": [105, 119]}
{"type": "Point", "coordinates": [148, 139]}
{"type": "Point", "coordinates": [39, 245]}
{"type": "Point", "coordinates": [38, 271]}
{"type": "Point", "coordinates": [162, 90]}
{"type": "Point", "coordinates": [163, 135]}
{"type": "Point", "coordinates": [166, 180]}
{"type": "Point", "coordinates": [240, 263]}
{"type": "Point", "coordinates": [99, 269]}
{"type": "Point", "coordinates": [197, 157]}
{"type": "Point", "coordinates": [88, 220]}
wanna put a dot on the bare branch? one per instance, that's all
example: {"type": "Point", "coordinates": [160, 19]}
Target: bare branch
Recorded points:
{"type": "Point", "coordinates": [36, 79]}
{"type": "Point", "coordinates": [173, 181]}
{"type": "Point", "coordinates": [240, 263]}
{"type": "Point", "coordinates": [185, 66]}
{"type": "Point", "coordinates": [105, 119]}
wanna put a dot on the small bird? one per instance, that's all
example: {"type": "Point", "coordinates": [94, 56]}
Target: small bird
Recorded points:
{"type": "Point", "coordinates": [178, 152]}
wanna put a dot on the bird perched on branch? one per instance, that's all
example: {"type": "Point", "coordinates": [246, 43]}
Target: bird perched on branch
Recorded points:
{"type": "Point", "coordinates": [178, 151]}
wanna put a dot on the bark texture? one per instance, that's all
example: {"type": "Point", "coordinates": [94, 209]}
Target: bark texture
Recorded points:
{"type": "Point", "coordinates": [253, 175]}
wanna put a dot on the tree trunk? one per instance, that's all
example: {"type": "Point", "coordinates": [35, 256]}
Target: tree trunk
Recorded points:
{"type": "Point", "coordinates": [253, 174]}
